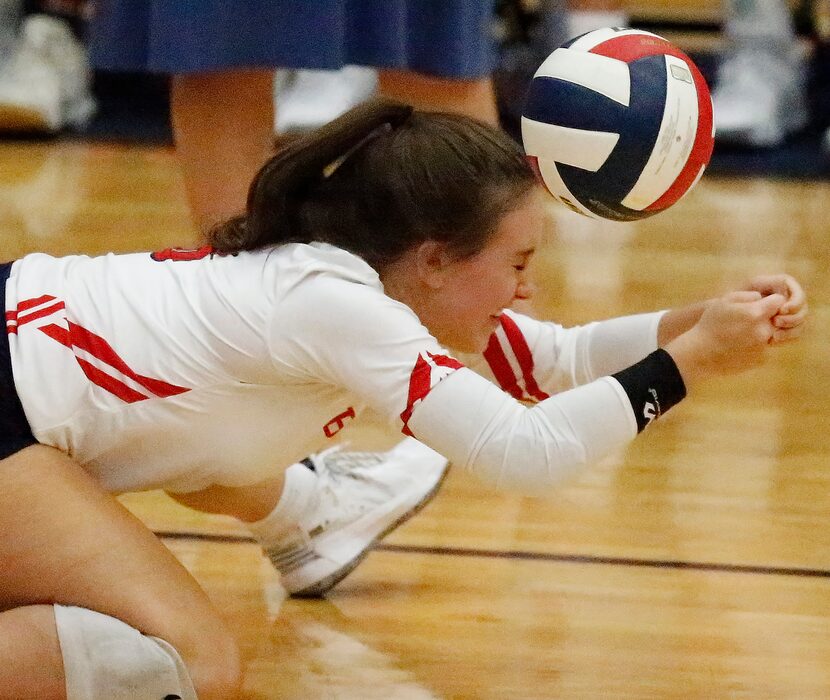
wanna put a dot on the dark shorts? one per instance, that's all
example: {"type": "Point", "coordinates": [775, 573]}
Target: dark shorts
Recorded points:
{"type": "Point", "coordinates": [448, 38]}
{"type": "Point", "coordinates": [15, 433]}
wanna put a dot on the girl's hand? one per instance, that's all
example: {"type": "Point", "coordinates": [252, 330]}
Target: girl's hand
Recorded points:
{"type": "Point", "coordinates": [793, 312]}
{"type": "Point", "coordinates": [732, 335]}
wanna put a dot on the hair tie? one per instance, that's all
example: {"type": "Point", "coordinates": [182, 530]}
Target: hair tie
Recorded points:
{"type": "Point", "coordinates": [331, 168]}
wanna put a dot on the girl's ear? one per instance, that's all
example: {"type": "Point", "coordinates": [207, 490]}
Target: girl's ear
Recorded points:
{"type": "Point", "coordinates": [433, 260]}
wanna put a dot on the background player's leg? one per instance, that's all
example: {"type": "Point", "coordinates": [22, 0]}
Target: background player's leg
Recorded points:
{"type": "Point", "coordinates": [223, 127]}
{"type": "Point", "coordinates": [474, 98]}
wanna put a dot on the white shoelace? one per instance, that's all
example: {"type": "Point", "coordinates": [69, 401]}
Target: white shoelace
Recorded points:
{"type": "Point", "coordinates": [347, 489]}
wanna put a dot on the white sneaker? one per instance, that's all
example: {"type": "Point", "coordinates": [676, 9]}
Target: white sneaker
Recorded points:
{"type": "Point", "coordinates": [760, 97]}
{"type": "Point", "coordinates": [307, 99]}
{"type": "Point", "coordinates": [361, 497]}
{"type": "Point", "coordinates": [45, 85]}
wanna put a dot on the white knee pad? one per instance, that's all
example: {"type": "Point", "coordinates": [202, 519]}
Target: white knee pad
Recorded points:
{"type": "Point", "coordinates": [106, 658]}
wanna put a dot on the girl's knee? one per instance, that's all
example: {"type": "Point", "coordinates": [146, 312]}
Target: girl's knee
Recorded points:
{"type": "Point", "coordinates": [105, 657]}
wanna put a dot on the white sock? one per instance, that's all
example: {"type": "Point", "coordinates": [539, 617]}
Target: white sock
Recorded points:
{"type": "Point", "coordinates": [299, 496]}
{"type": "Point", "coordinates": [581, 21]}
{"type": "Point", "coordinates": [758, 21]}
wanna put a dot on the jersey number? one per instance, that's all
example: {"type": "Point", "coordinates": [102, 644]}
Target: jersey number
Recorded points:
{"type": "Point", "coordinates": [183, 254]}
{"type": "Point", "coordinates": [336, 424]}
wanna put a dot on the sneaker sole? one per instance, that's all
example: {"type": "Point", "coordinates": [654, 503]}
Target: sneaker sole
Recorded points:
{"type": "Point", "coordinates": [325, 584]}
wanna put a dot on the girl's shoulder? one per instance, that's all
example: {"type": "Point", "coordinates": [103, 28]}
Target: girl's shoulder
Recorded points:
{"type": "Point", "coordinates": [306, 260]}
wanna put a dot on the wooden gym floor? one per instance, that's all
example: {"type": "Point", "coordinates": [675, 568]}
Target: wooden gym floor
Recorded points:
{"type": "Point", "coordinates": [696, 564]}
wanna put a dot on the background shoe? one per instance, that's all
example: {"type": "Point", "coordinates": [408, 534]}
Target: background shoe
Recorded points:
{"type": "Point", "coordinates": [361, 497]}
{"type": "Point", "coordinates": [307, 99]}
{"type": "Point", "coordinates": [45, 85]}
{"type": "Point", "coordinates": [760, 97]}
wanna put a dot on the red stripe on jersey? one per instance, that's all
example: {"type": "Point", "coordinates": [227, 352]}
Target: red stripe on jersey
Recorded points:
{"type": "Point", "coordinates": [110, 383]}
{"type": "Point", "coordinates": [72, 336]}
{"type": "Point", "coordinates": [182, 254]}
{"type": "Point", "coordinates": [421, 381]}
{"type": "Point", "coordinates": [444, 361]}
{"type": "Point", "coordinates": [523, 355]}
{"type": "Point", "coordinates": [501, 368]}
{"type": "Point", "coordinates": [13, 321]}
{"type": "Point", "coordinates": [31, 303]}
{"type": "Point", "coordinates": [418, 388]}
{"type": "Point", "coordinates": [57, 333]}
{"type": "Point", "coordinates": [40, 313]}
{"type": "Point", "coordinates": [99, 348]}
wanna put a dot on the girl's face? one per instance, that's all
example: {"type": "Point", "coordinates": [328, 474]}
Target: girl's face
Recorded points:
{"type": "Point", "coordinates": [464, 310]}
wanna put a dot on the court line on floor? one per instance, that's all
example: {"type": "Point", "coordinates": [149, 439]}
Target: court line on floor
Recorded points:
{"type": "Point", "coordinates": [673, 564]}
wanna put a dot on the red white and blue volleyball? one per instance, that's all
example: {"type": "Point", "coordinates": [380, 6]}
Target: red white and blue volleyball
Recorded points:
{"type": "Point", "coordinates": [618, 124]}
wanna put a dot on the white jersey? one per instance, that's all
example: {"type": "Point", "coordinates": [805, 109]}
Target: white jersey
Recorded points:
{"type": "Point", "coordinates": [184, 369]}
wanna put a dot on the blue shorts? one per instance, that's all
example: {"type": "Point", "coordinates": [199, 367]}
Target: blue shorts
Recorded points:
{"type": "Point", "coordinates": [445, 38]}
{"type": "Point", "coordinates": [15, 433]}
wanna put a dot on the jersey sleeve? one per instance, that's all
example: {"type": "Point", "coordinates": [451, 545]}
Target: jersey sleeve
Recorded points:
{"type": "Point", "coordinates": [354, 336]}
{"type": "Point", "coordinates": [335, 331]}
{"type": "Point", "coordinates": [516, 447]}
{"type": "Point", "coordinates": [532, 360]}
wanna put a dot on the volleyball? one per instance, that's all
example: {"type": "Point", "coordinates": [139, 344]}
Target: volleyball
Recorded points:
{"type": "Point", "coordinates": [618, 124]}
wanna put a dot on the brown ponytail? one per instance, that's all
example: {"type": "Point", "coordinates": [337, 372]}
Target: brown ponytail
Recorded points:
{"type": "Point", "coordinates": [380, 179]}
{"type": "Point", "coordinates": [278, 189]}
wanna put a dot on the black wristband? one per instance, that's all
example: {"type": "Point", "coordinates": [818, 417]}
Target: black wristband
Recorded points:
{"type": "Point", "coordinates": [653, 386]}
